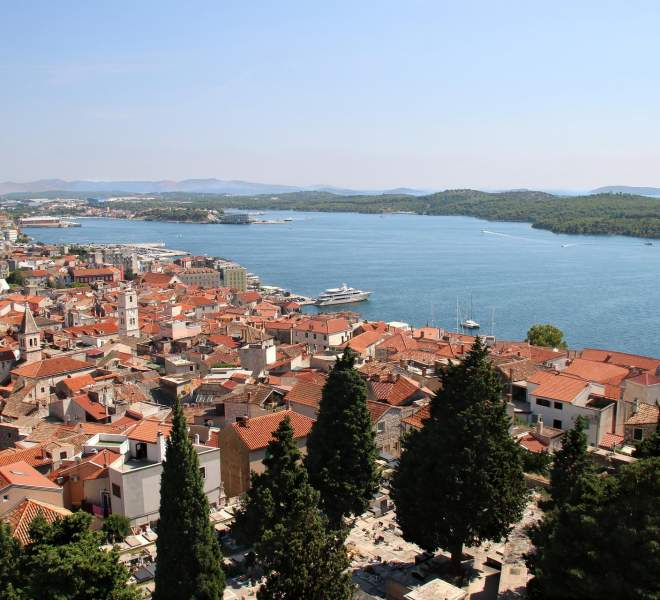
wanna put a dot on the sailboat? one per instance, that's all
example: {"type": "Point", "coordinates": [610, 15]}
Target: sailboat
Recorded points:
{"type": "Point", "coordinates": [469, 322]}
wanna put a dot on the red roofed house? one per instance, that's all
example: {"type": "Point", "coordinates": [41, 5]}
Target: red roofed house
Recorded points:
{"type": "Point", "coordinates": [305, 397]}
{"type": "Point", "coordinates": [19, 481]}
{"type": "Point", "coordinates": [321, 334]}
{"type": "Point", "coordinates": [20, 517]}
{"type": "Point", "coordinates": [134, 477]}
{"type": "Point", "coordinates": [558, 399]}
{"type": "Point", "coordinates": [386, 423]}
{"type": "Point", "coordinates": [45, 374]}
{"type": "Point", "coordinates": [243, 446]}
{"type": "Point", "coordinates": [108, 274]}
{"type": "Point", "coordinates": [642, 423]}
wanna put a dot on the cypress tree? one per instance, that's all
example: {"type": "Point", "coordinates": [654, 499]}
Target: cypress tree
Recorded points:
{"type": "Point", "coordinates": [188, 562]}
{"type": "Point", "coordinates": [301, 558]}
{"type": "Point", "coordinates": [269, 500]}
{"type": "Point", "coordinates": [341, 453]}
{"type": "Point", "coordinates": [10, 553]}
{"type": "Point", "coordinates": [570, 464]}
{"type": "Point", "coordinates": [460, 479]}
{"type": "Point", "coordinates": [602, 542]}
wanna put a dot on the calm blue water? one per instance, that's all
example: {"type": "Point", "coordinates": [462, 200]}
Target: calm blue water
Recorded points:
{"type": "Point", "coordinates": [602, 291]}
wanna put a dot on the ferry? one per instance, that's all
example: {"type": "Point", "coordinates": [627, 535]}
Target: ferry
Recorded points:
{"type": "Point", "coordinates": [341, 295]}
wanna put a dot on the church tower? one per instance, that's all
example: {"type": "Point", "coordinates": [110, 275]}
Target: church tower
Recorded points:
{"type": "Point", "coordinates": [29, 339]}
{"type": "Point", "coordinates": [128, 314]}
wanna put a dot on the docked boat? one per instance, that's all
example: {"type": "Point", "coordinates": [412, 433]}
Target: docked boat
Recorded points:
{"type": "Point", "coordinates": [341, 295]}
{"type": "Point", "coordinates": [469, 322]}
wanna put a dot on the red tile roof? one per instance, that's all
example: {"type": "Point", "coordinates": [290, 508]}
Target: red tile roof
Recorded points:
{"type": "Point", "coordinates": [20, 517]}
{"type": "Point", "coordinates": [22, 474]}
{"type": "Point", "coordinates": [147, 431]}
{"type": "Point", "coordinates": [326, 326]}
{"type": "Point", "coordinates": [417, 420]}
{"type": "Point", "coordinates": [35, 456]}
{"type": "Point", "coordinates": [622, 359]}
{"type": "Point", "coordinates": [598, 372]}
{"type": "Point", "coordinates": [257, 432]}
{"type": "Point", "coordinates": [94, 409]}
{"type": "Point", "coordinates": [647, 414]}
{"type": "Point", "coordinates": [529, 442]}
{"type": "Point", "coordinates": [611, 440]}
{"type": "Point", "coordinates": [51, 366]}
{"type": "Point", "coordinates": [555, 386]}
{"type": "Point", "coordinates": [377, 410]}
{"type": "Point", "coordinates": [308, 393]}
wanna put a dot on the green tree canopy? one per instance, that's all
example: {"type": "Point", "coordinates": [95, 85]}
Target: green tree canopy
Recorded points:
{"type": "Point", "coordinates": [64, 561]}
{"type": "Point", "coordinates": [546, 335]}
{"type": "Point", "coordinates": [269, 500]}
{"type": "Point", "coordinates": [650, 446]}
{"type": "Point", "coordinates": [603, 542]}
{"type": "Point", "coordinates": [460, 480]}
{"type": "Point", "coordinates": [188, 564]}
{"type": "Point", "coordinates": [570, 464]}
{"type": "Point", "coordinates": [341, 454]}
{"type": "Point", "coordinates": [302, 559]}
{"type": "Point", "coordinates": [116, 527]}
{"type": "Point", "coordinates": [10, 554]}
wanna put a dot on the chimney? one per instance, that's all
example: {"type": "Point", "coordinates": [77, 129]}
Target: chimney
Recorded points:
{"type": "Point", "coordinates": [242, 421]}
{"type": "Point", "coordinates": [539, 425]}
{"type": "Point", "coordinates": [196, 439]}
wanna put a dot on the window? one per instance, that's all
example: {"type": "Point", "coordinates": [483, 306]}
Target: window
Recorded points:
{"type": "Point", "coordinates": [559, 405]}
{"type": "Point", "coordinates": [380, 427]}
{"type": "Point", "coordinates": [202, 472]}
{"type": "Point", "coordinates": [638, 434]}
{"type": "Point", "coordinates": [116, 490]}
{"type": "Point", "coordinates": [542, 402]}
{"type": "Point", "coordinates": [556, 424]}
{"type": "Point", "coordinates": [62, 455]}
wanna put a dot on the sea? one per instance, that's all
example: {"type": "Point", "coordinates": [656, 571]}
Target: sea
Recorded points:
{"type": "Point", "coordinates": [602, 291]}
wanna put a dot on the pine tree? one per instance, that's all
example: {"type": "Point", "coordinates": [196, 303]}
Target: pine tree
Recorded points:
{"type": "Point", "coordinates": [301, 558]}
{"type": "Point", "coordinates": [64, 560]}
{"type": "Point", "coordinates": [341, 453]}
{"type": "Point", "coordinates": [269, 500]}
{"type": "Point", "coordinates": [650, 446]}
{"type": "Point", "coordinates": [460, 480]}
{"type": "Point", "coordinates": [10, 553]}
{"type": "Point", "coordinates": [602, 542]}
{"type": "Point", "coordinates": [188, 562]}
{"type": "Point", "coordinates": [319, 570]}
{"type": "Point", "coordinates": [570, 464]}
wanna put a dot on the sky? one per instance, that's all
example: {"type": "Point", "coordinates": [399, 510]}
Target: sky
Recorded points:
{"type": "Point", "coordinates": [556, 94]}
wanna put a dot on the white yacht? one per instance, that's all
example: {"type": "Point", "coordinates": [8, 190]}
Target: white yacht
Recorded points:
{"type": "Point", "coordinates": [469, 322]}
{"type": "Point", "coordinates": [341, 295]}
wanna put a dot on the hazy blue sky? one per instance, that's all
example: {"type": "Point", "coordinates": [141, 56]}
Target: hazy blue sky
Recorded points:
{"type": "Point", "coordinates": [555, 94]}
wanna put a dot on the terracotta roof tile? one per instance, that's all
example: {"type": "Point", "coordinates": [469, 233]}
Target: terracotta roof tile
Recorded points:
{"type": "Point", "coordinates": [257, 432]}
{"type": "Point", "coordinates": [555, 386]}
{"type": "Point", "coordinates": [52, 366]}
{"type": "Point", "coordinates": [647, 414]}
{"type": "Point", "coordinates": [147, 431]}
{"type": "Point", "coordinates": [20, 517]}
{"type": "Point", "coordinates": [21, 473]}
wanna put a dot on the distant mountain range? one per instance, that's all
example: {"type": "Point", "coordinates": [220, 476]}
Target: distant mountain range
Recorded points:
{"type": "Point", "coordinates": [248, 188]}
{"type": "Point", "coordinates": [211, 186]}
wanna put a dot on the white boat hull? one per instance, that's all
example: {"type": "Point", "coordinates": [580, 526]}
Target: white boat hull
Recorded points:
{"type": "Point", "coordinates": [361, 297]}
